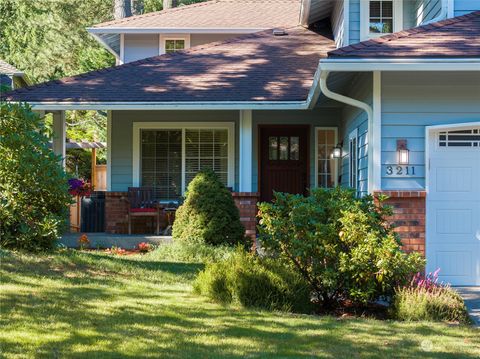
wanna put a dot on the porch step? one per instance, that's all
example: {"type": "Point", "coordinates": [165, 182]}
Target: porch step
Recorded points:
{"type": "Point", "coordinates": [105, 240]}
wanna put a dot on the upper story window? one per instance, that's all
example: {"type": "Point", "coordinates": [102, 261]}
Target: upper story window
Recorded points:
{"type": "Point", "coordinates": [172, 45]}
{"type": "Point", "coordinates": [380, 17]}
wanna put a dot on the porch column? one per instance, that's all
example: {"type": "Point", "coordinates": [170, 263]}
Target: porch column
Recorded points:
{"type": "Point", "coordinates": [246, 150]}
{"type": "Point", "coordinates": [59, 135]}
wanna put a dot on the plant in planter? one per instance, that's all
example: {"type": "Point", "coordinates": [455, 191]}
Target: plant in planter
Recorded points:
{"type": "Point", "coordinates": [144, 247]}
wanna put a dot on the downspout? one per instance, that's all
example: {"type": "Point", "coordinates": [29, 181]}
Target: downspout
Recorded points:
{"type": "Point", "coordinates": [305, 12]}
{"type": "Point", "coordinates": [361, 105]}
{"type": "Point", "coordinates": [442, 16]}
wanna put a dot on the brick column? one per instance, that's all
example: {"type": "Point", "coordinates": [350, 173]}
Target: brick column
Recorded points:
{"type": "Point", "coordinates": [116, 210]}
{"type": "Point", "coordinates": [408, 218]}
{"type": "Point", "coordinates": [247, 205]}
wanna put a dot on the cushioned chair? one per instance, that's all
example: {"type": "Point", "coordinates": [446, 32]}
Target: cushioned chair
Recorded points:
{"type": "Point", "coordinates": [142, 204]}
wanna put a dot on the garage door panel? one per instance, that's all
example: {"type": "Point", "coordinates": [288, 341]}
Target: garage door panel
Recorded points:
{"type": "Point", "coordinates": [453, 207]}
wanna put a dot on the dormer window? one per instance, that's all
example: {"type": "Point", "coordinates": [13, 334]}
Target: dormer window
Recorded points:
{"type": "Point", "coordinates": [170, 43]}
{"type": "Point", "coordinates": [173, 45]}
{"type": "Point", "coordinates": [380, 17]}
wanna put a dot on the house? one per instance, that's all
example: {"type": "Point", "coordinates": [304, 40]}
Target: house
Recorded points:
{"type": "Point", "coordinates": [381, 96]}
{"type": "Point", "coordinates": [10, 77]}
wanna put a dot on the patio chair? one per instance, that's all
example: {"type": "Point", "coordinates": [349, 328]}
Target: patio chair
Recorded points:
{"type": "Point", "coordinates": [142, 204]}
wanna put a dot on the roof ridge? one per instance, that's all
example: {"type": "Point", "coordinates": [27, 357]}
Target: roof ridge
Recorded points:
{"type": "Point", "coordinates": [150, 59]}
{"type": "Point", "coordinates": [406, 33]}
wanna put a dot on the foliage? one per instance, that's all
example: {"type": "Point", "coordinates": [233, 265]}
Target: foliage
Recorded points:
{"type": "Point", "coordinates": [181, 251]}
{"type": "Point", "coordinates": [209, 214]}
{"type": "Point", "coordinates": [83, 242]}
{"type": "Point", "coordinates": [340, 244]}
{"type": "Point", "coordinates": [144, 247]}
{"type": "Point", "coordinates": [33, 186]}
{"type": "Point", "coordinates": [253, 282]}
{"type": "Point", "coordinates": [79, 187]}
{"type": "Point", "coordinates": [439, 303]}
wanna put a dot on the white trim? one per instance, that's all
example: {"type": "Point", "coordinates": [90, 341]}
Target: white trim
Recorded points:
{"type": "Point", "coordinates": [450, 8]}
{"type": "Point", "coordinates": [59, 135]}
{"type": "Point", "coordinates": [122, 49]}
{"type": "Point", "coordinates": [335, 166]}
{"type": "Point", "coordinates": [346, 22]}
{"type": "Point", "coordinates": [365, 19]}
{"type": "Point", "coordinates": [174, 30]}
{"type": "Point", "coordinates": [246, 151]}
{"type": "Point", "coordinates": [162, 38]}
{"type": "Point", "coordinates": [109, 150]}
{"type": "Point", "coordinates": [138, 126]}
{"type": "Point", "coordinates": [353, 135]}
{"type": "Point", "coordinates": [375, 134]}
{"type": "Point", "coordinates": [407, 64]}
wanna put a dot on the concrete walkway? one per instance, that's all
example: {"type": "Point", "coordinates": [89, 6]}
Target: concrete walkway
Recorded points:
{"type": "Point", "coordinates": [471, 296]}
{"type": "Point", "coordinates": [105, 240]}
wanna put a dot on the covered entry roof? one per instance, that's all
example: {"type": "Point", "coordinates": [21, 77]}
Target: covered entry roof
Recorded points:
{"type": "Point", "coordinates": [252, 68]}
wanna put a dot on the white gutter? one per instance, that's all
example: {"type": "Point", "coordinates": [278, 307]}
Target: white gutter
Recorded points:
{"type": "Point", "coordinates": [442, 16]}
{"type": "Point", "coordinates": [361, 105]}
{"type": "Point", "coordinates": [173, 30]}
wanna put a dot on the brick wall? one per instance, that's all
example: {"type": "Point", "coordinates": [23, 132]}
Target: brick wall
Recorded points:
{"type": "Point", "coordinates": [409, 212]}
{"type": "Point", "coordinates": [247, 204]}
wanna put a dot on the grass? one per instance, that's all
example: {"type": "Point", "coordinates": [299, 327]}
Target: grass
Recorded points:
{"type": "Point", "coordinates": [92, 305]}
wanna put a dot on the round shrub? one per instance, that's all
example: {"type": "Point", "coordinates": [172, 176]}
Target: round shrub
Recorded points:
{"type": "Point", "coordinates": [254, 282]}
{"type": "Point", "coordinates": [209, 214]}
{"type": "Point", "coordinates": [33, 186]}
{"type": "Point", "coordinates": [340, 244]}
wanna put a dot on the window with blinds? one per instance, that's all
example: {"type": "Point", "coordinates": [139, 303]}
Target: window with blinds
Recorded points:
{"type": "Point", "coordinates": [161, 165]}
{"type": "Point", "coordinates": [206, 149]}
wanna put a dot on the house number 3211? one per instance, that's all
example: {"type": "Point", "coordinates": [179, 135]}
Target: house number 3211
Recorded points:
{"type": "Point", "coordinates": [400, 170]}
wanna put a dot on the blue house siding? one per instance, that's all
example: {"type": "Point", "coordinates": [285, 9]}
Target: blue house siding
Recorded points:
{"type": "Point", "coordinates": [425, 10]}
{"type": "Point", "coordinates": [354, 118]}
{"type": "Point", "coordinates": [411, 101]}
{"type": "Point", "coordinates": [354, 21]}
{"type": "Point", "coordinates": [463, 7]}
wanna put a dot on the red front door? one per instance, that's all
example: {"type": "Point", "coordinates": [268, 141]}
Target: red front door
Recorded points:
{"type": "Point", "coordinates": [283, 160]}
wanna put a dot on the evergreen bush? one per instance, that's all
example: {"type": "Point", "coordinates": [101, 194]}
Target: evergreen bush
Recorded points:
{"type": "Point", "coordinates": [209, 214]}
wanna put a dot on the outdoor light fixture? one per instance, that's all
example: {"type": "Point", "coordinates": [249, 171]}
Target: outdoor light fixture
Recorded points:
{"type": "Point", "coordinates": [337, 152]}
{"type": "Point", "coordinates": [402, 152]}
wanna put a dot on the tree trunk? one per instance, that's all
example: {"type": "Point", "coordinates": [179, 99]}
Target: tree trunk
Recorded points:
{"type": "Point", "coordinates": [122, 9]}
{"type": "Point", "coordinates": [167, 4]}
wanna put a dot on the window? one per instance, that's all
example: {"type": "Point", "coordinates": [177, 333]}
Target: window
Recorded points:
{"type": "Point", "coordinates": [461, 138]}
{"type": "Point", "coordinates": [284, 148]}
{"type": "Point", "coordinates": [353, 159]}
{"type": "Point", "coordinates": [326, 139]}
{"type": "Point", "coordinates": [172, 45]}
{"type": "Point", "coordinates": [380, 17]}
{"type": "Point", "coordinates": [167, 156]}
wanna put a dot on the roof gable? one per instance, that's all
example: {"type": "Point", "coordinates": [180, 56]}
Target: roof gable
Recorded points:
{"type": "Point", "coordinates": [457, 37]}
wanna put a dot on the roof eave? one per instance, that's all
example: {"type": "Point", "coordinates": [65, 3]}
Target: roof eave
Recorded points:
{"type": "Point", "coordinates": [399, 64]}
{"type": "Point", "coordinates": [176, 30]}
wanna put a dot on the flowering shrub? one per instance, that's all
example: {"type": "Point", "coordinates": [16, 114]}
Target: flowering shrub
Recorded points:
{"type": "Point", "coordinates": [116, 250]}
{"type": "Point", "coordinates": [79, 187]}
{"type": "Point", "coordinates": [144, 247]}
{"type": "Point", "coordinates": [426, 299]}
{"type": "Point", "coordinates": [83, 241]}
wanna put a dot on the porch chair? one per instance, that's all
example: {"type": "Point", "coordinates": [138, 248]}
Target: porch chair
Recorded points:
{"type": "Point", "coordinates": [142, 204]}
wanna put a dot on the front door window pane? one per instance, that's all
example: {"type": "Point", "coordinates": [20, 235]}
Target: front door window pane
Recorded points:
{"type": "Point", "coordinates": [294, 148]}
{"type": "Point", "coordinates": [273, 148]}
{"type": "Point", "coordinates": [284, 148]}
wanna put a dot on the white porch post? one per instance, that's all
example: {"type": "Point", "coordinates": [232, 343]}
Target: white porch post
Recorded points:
{"type": "Point", "coordinates": [376, 133]}
{"type": "Point", "coordinates": [246, 150]}
{"type": "Point", "coordinates": [59, 134]}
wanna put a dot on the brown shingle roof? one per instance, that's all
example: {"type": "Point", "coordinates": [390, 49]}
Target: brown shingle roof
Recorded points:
{"type": "Point", "coordinates": [255, 67]}
{"type": "Point", "coordinates": [457, 37]}
{"type": "Point", "coordinates": [256, 14]}
{"type": "Point", "coordinates": [7, 69]}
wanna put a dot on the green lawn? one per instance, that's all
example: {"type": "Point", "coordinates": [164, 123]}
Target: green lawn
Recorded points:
{"type": "Point", "coordinates": [91, 305]}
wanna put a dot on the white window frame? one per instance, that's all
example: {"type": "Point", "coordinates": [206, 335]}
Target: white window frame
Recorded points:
{"type": "Point", "coordinates": [365, 19]}
{"type": "Point", "coordinates": [353, 136]}
{"type": "Point", "coordinates": [183, 126]}
{"type": "Point", "coordinates": [164, 37]}
{"type": "Point", "coordinates": [335, 164]}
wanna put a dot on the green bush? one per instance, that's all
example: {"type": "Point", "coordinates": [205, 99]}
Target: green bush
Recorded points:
{"type": "Point", "coordinates": [180, 251]}
{"type": "Point", "coordinates": [209, 214]}
{"type": "Point", "coordinates": [33, 186]}
{"type": "Point", "coordinates": [434, 304]}
{"type": "Point", "coordinates": [340, 244]}
{"type": "Point", "coordinates": [254, 282]}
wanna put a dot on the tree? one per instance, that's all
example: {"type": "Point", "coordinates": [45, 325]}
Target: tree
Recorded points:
{"type": "Point", "coordinates": [33, 186]}
{"type": "Point", "coordinates": [123, 8]}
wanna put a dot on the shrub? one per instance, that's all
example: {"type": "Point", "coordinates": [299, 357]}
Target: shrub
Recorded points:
{"type": "Point", "coordinates": [33, 185]}
{"type": "Point", "coordinates": [180, 251]}
{"type": "Point", "coordinates": [340, 244]}
{"type": "Point", "coordinates": [209, 214]}
{"type": "Point", "coordinates": [253, 282]}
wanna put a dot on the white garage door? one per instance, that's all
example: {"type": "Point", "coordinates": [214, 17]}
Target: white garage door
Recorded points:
{"type": "Point", "coordinates": [453, 205]}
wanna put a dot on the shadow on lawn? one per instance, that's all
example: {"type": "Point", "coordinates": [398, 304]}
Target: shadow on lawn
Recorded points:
{"type": "Point", "coordinates": [110, 318]}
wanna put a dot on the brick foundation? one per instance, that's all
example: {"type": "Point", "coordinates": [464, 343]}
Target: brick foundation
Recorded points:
{"type": "Point", "coordinates": [116, 210]}
{"type": "Point", "coordinates": [409, 210]}
{"type": "Point", "coordinates": [247, 204]}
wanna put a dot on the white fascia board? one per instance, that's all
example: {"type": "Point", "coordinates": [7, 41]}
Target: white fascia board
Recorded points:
{"type": "Point", "coordinates": [407, 64]}
{"type": "Point", "coordinates": [220, 105]}
{"type": "Point", "coordinates": [172, 30]}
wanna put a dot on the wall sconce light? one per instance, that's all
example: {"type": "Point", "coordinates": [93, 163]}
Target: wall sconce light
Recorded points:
{"type": "Point", "coordinates": [337, 152]}
{"type": "Point", "coordinates": [403, 153]}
